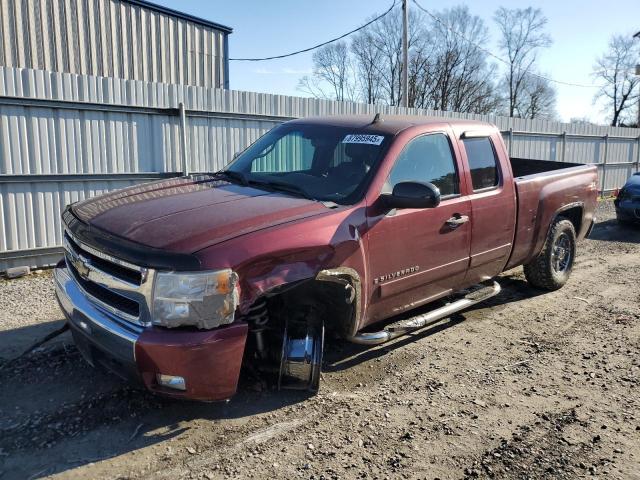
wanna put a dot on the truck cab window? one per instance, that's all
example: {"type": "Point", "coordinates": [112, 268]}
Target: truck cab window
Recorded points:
{"type": "Point", "coordinates": [427, 158]}
{"type": "Point", "coordinates": [483, 163]}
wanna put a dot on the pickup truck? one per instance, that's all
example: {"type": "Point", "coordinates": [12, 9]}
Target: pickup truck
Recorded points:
{"type": "Point", "coordinates": [336, 225]}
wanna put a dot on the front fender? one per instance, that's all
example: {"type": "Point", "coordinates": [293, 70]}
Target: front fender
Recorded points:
{"type": "Point", "coordinates": [296, 252]}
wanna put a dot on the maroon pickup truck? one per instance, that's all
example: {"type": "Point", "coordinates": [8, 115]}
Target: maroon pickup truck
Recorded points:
{"type": "Point", "coordinates": [343, 225]}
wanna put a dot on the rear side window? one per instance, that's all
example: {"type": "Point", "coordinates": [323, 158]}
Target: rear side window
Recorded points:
{"type": "Point", "coordinates": [482, 163]}
{"type": "Point", "coordinates": [426, 159]}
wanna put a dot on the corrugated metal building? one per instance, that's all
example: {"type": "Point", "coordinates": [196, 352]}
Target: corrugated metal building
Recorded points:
{"type": "Point", "coordinates": [128, 39]}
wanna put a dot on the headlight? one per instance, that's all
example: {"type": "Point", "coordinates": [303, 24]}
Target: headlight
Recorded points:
{"type": "Point", "coordinates": [202, 299]}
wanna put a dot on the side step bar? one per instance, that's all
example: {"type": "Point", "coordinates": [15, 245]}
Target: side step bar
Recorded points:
{"type": "Point", "coordinates": [474, 295]}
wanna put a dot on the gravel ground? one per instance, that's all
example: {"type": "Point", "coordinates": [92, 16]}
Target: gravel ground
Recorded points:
{"type": "Point", "coordinates": [28, 312]}
{"type": "Point", "coordinates": [27, 301]}
{"type": "Point", "coordinates": [527, 385]}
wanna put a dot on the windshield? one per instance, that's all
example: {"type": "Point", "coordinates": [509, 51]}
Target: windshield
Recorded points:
{"type": "Point", "coordinates": [315, 161]}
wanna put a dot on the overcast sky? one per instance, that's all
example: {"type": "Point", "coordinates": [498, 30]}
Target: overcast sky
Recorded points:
{"type": "Point", "coordinates": [579, 29]}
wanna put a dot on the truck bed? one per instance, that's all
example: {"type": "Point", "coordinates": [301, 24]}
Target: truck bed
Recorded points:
{"type": "Point", "coordinates": [523, 167]}
{"type": "Point", "coordinates": [542, 189]}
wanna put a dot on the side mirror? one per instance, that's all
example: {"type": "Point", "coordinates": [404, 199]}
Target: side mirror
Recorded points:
{"type": "Point", "coordinates": [413, 195]}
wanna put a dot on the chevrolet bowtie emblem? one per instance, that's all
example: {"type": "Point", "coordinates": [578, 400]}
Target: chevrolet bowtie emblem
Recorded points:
{"type": "Point", "coordinates": [81, 268]}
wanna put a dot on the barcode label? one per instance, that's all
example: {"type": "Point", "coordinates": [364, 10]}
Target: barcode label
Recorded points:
{"type": "Point", "coordinates": [363, 138]}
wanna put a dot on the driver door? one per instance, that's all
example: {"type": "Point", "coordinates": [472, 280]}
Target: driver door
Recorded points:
{"type": "Point", "coordinates": [419, 255]}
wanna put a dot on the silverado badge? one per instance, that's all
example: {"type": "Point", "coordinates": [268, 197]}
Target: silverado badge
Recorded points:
{"type": "Point", "coordinates": [394, 275]}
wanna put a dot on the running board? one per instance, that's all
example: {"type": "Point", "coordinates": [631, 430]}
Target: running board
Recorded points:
{"type": "Point", "coordinates": [476, 294]}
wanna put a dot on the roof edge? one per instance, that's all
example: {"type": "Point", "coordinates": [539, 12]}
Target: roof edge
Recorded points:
{"type": "Point", "coordinates": [176, 13]}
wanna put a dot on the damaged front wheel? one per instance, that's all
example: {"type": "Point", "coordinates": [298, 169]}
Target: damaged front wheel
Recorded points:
{"type": "Point", "coordinates": [301, 359]}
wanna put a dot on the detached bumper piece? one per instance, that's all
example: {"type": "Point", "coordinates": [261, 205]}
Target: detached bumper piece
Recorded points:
{"type": "Point", "coordinates": [187, 363]}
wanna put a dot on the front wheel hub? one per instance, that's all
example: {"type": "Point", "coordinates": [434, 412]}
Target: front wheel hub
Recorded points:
{"type": "Point", "coordinates": [301, 360]}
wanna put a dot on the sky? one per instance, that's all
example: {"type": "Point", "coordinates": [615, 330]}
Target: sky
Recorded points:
{"type": "Point", "coordinates": [580, 31]}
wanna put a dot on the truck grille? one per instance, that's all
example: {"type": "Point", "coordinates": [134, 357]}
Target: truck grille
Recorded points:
{"type": "Point", "coordinates": [128, 274]}
{"type": "Point", "coordinates": [118, 287]}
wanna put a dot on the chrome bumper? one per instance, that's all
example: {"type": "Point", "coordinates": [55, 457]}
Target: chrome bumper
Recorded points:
{"type": "Point", "coordinates": [93, 327]}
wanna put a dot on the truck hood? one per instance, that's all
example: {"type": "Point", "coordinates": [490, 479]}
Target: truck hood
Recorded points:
{"type": "Point", "coordinates": [191, 213]}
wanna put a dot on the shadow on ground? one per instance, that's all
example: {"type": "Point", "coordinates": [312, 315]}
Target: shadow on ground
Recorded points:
{"type": "Point", "coordinates": [612, 231]}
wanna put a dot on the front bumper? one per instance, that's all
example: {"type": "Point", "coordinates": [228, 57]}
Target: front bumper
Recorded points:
{"type": "Point", "coordinates": [208, 360]}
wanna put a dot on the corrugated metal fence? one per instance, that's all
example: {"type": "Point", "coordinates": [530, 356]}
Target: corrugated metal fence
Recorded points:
{"type": "Point", "coordinates": [129, 39]}
{"type": "Point", "coordinates": [66, 137]}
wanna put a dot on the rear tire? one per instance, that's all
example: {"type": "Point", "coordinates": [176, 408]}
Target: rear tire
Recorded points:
{"type": "Point", "coordinates": [551, 269]}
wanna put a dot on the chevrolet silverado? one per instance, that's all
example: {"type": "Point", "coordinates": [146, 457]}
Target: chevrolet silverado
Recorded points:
{"type": "Point", "coordinates": [343, 225]}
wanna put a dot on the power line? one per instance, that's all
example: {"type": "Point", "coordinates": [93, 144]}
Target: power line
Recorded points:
{"type": "Point", "coordinates": [316, 46]}
{"type": "Point", "coordinates": [502, 60]}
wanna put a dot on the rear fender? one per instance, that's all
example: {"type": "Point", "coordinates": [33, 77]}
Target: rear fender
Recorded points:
{"type": "Point", "coordinates": [539, 205]}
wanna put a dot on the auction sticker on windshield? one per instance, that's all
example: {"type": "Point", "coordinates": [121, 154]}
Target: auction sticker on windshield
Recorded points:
{"type": "Point", "coordinates": [363, 138]}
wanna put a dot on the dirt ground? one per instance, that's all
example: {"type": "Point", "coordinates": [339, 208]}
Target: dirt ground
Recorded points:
{"type": "Point", "coordinates": [527, 385]}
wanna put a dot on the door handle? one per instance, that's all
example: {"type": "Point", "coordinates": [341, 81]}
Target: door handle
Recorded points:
{"type": "Point", "coordinates": [457, 220]}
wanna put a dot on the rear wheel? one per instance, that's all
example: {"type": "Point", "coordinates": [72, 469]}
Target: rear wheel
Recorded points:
{"type": "Point", "coordinates": [551, 269]}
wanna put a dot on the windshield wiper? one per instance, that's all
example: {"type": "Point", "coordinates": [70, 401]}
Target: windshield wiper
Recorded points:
{"type": "Point", "coordinates": [233, 175]}
{"type": "Point", "coordinates": [284, 187]}
{"type": "Point", "coordinates": [240, 177]}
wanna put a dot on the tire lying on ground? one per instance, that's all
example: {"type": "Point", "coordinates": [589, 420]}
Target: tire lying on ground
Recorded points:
{"type": "Point", "coordinates": [551, 269]}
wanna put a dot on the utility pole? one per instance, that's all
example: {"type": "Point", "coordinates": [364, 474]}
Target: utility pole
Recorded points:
{"type": "Point", "coordinates": [405, 53]}
{"type": "Point", "coordinates": [637, 35]}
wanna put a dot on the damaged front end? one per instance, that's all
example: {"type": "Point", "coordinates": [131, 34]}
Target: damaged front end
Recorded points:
{"type": "Point", "coordinates": [288, 324]}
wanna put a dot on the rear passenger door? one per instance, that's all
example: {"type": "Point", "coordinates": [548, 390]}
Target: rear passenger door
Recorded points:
{"type": "Point", "coordinates": [493, 204]}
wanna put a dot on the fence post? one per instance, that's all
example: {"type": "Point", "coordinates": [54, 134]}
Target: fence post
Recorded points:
{"type": "Point", "coordinates": [510, 140]}
{"type": "Point", "coordinates": [564, 146]}
{"type": "Point", "coordinates": [604, 164]}
{"type": "Point", "coordinates": [183, 132]}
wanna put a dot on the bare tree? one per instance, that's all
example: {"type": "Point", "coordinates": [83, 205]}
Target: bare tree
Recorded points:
{"type": "Point", "coordinates": [367, 58]}
{"type": "Point", "coordinates": [386, 38]}
{"type": "Point", "coordinates": [447, 69]}
{"type": "Point", "coordinates": [462, 75]}
{"type": "Point", "coordinates": [616, 68]}
{"type": "Point", "coordinates": [332, 70]}
{"type": "Point", "coordinates": [538, 99]}
{"type": "Point", "coordinates": [311, 85]}
{"type": "Point", "coordinates": [522, 36]}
